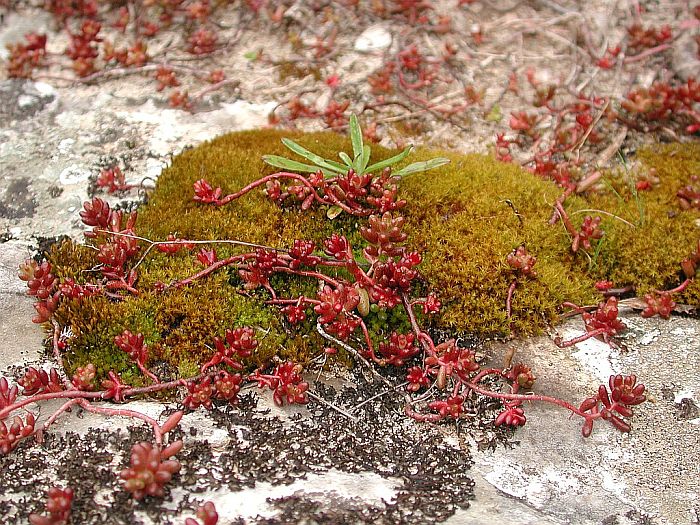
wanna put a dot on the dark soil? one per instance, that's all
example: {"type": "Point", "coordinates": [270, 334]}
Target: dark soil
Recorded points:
{"type": "Point", "coordinates": [433, 473]}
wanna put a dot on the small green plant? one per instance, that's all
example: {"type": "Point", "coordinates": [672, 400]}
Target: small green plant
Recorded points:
{"type": "Point", "coordinates": [359, 162]}
{"type": "Point", "coordinates": [354, 186]}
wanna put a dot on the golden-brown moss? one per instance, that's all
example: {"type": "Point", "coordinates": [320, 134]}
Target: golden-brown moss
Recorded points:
{"type": "Point", "coordinates": [648, 253]}
{"type": "Point", "coordinates": [461, 217]}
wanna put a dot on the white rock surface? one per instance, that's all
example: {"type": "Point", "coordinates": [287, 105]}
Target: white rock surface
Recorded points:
{"type": "Point", "coordinates": [374, 38]}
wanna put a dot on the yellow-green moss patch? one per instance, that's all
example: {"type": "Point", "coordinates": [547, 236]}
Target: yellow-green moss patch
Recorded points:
{"type": "Point", "coordinates": [464, 218]}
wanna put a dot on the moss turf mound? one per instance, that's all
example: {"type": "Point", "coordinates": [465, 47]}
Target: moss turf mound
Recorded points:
{"type": "Point", "coordinates": [461, 217]}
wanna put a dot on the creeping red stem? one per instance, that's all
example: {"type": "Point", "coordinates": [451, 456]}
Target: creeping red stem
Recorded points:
{"type": "Point", "coordinates": [678, 288]}
{"type": "Point", "coordinates": [509, 297]}
{"type": "Point", "coordinates": [209, 270]}
{"type": "Point", "coordinates": [430, 418]}
{"type": "Point", "coordinates": [147, 372]}
{"type": "Point", "coordinates": [581, 338]}
{"type": "Point", "coordinates": [331, 199]}
{"type": "Point", "coordinates": [306, 273]}
{"type": "Point", "coordinates": [81, 394]}
{"type": "Point", "coordinates": [424, 338]}
{"type": "Point", "coordinates": [85, 405]}
{"type": "Point", "coordinates": [567, 223]}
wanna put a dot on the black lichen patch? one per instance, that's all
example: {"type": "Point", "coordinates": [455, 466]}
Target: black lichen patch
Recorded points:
{"type": "Point", "coordinates": [432, 475]}
{"type": "Point", "coordinates": [44, 245]}
{"type": "Point", "coordinates": [461, 218]}
{"type": "Point", "coordinates": [687, 409]}
{"type": "Point", "coordinates": [17, 202]}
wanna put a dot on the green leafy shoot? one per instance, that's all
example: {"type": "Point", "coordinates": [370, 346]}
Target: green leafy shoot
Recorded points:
{"type": "Point", "coordinates": [310, 156]}
{"type": "Point", "coordinates": [356, 137]}
{"type": "Point", "coordinates": [288, 164]}
{"type": "Point", "coordinates": [365, 157]}
{"type": "Point", "coordinates": [390, 161]}
{"type": "Point", "coordinates": [417, 167]}
{"type": "Point", "coordinates": [345, 158]}
{"type": "Point", "coordinates": [359, 161]}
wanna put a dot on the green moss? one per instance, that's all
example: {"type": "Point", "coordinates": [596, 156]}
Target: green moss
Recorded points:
{"type": "Point", "coordinates": [648, 254]}
{"type": "Point", "coordinates": [460, 217]}
{"type": "Point", "coordinates": [461, 221]}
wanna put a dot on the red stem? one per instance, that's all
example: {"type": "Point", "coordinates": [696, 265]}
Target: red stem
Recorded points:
{"type": "Point", "coordinates": [57, 354]}
{"type": "Point", "coordinates": [107, 411]}
{"type": "Point", "coordinates": [307, 273]}
{"type": "Point", "coordinates": [64, 394]}
{"type": "Point", "coordinates": [121, 284]}
{"type": "Point", "coordinates": [209, 269]}
{"type": "Point", "coordinates": [213, 87]}
{"type": "Point", "coordinates": [618, 291]}
{"type": "Point", "coordinates": [527, 397]}
{"type": "Point", "coordinates": [577, 308]}
{"type": "Point", "coordinates": [486, 372]}
{"type": "Point", "coordinates": [147, 372]}
{"type": "Point", "coordinates": [81, 394]}
{"type": "Point", "coordinates": [66, 406]}
{"type": "Point", "coordinates": [356, 271]}
{"type": "Point", "coordinates": [130, 392]}
{"type": "Point", "coordinates": [568, 191]}
{"type": "Point", "coordinates": [566, 220]}
{"type": "Point", "coordinates": [125, 413]}
{"type": "Point", "coordinates": [587, 182]}
{"type": "Point", "coordinates": [331, 199]}
{"type": "Point", "coordinates": [360, 212]}
{"type": "Point", "coordinates": [301, 300]}
{"type": "Point", "coordinates": [327, 262]}
{"type": "Point", "coordinates": [579, 339]}
{"type": "Point", "coordinates": [678, 288]}
{"type": "Point", "coordinates": [647, 53]}
{"type": "Point", "coordinates": [424, 338]}
{"type": "Point", "coordinates": [370, 348]}
{"type": "Point", "coordinates": [427, 340]}
{"type": "Point", "coordinates": [430, 418]}
{"type": "Point", "coordinates": [509, 297]}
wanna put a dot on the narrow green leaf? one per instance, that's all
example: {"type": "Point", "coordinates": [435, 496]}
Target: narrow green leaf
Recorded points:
{"type": "Point", "coordinates": [346, 159]}
{"type": "Point", "coordinates": [356, 136]}
{"type": "Point", "coordinates": [288, 164]}
{"type": "Point", "coordinates": [357, 164]}
{"type": "Point", "coordinates": [311, 156]}
{"type": "Point", "coordinates": [388, 162]}
{"type": "Point", "coordinates": [366, 151]}
{"type": "Point", "coordinates": [495, 115]}
{"type": "Point", "coordinates": [333, 212]}
{"type": "Point", "coordinates": [422, 166]}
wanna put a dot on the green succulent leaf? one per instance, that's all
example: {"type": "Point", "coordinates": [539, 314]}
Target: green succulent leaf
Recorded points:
{"type": "Point", "coordinates": [359, 161]}
{"type": "Point", "coordinates": [356, 137]}
{"type": "Point", "coordinates": [390, 161]}
{"type": "Point", "coordinates": [426, 165]}
{"type": "Point", "coordinates": [333, 212]}
{"type": "Point", "coordinates": [495, 115]}
{"type": "Point", "coordinates": [366, 152]}
{"type": "Point", "coordinates": [288, 164]}
{"type": "Point", "coordinates": [330, 165]}
{"type": "Point", "coordinates": [345, 158]}
{"type": "Point", "coordinates": [357, 165]}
